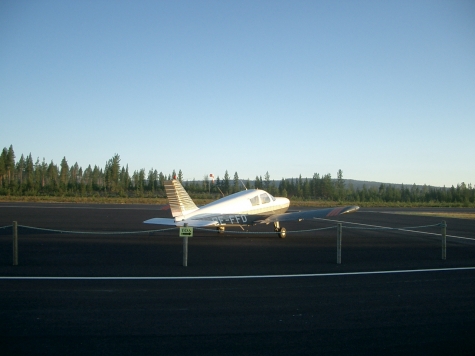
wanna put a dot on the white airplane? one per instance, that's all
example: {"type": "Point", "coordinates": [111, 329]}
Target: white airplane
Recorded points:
{"type": "Point", "coordinates": [247, 207]}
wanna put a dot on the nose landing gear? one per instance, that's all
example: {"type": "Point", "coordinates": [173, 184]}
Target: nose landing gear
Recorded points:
{"type": "Point", "coordinates": [281, 231]}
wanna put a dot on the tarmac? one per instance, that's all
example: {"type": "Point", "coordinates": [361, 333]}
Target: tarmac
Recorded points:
{"type": "Point", "coordinates": [110, 291]}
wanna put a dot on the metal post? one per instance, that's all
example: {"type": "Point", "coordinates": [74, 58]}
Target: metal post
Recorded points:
{"type": "Point", "coordinates": [338, 243]}
{"type": "Point", "coordinates": [15, 243]}
{"type": "Point", "coordinates": [444, 240]}
{"type": "Point", "coordinates": [185, 249]}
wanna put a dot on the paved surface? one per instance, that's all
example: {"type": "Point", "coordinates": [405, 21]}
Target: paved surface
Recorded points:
{"type": "Point", "coordinates": [310, 305]}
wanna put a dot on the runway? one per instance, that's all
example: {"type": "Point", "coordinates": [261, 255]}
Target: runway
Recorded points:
{"type": "Point", "coordinates": [123, 294]}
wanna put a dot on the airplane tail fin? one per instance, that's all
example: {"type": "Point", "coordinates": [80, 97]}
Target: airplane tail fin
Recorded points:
{"type": "Point", "coordinates": [179, 200]}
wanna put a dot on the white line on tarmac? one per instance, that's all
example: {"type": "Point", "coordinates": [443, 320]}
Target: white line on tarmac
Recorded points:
{"type": "Point", "coordinates": [400, 229]}
{"type": "Point", "coordinates": [241, 277]}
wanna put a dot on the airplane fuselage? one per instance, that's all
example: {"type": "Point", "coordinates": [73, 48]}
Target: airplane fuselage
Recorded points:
{"type": "Point", "coordinates": [241, 208]}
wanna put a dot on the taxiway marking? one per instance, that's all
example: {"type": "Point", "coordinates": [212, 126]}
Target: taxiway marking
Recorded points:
{"type": "Point", "coordinates": [240, 277]}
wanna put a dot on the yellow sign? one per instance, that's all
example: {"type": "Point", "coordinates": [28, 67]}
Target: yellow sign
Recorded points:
{"type": "Point", "coordinates": [186, 232]}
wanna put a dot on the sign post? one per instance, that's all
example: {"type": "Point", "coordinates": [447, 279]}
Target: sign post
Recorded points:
{"type": "Point", "coordinates": [338, 243]}
{"type": "Point", "coordinates": [185, 232]}
{"type": "Point", "coordinates": [444, 240]}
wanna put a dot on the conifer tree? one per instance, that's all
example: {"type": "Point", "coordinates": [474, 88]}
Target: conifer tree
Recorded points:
{"type": "Point", "coordinates": [3, 157]}
{"type": "Point", "coordinates": [236, 182]}
{"type": "Point", "coordinates": [29, 173]}
{"type": "Point", "coordinates": [226, 184]}
{"type": "Point", "coordinates": [340, 185]}
{"type": "Point", "coordinates": [63, 174]}
{"type": "Point", "coordinates": [53, 177]}
{"type": "Point", "coordinates": [161, 179]}
{"type": "Point", "coordinates": [10, 163]}
{"type": "Point", "coordinates": [257, 183]}
{"type": "Point", "coordinates": [111, 173]}
{"type": "Point", "coordinates": [267, 181]}
{"type": "Point", "coordinates": [327, 186]}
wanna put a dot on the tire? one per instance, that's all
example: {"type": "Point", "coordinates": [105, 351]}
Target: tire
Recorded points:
{"type": "Point", "coordinates": [283, 232]}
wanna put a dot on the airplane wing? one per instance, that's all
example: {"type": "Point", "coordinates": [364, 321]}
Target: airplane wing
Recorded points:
{"type": "Point", "coordinates": [310, 214]}
{"type": "Point", "coordinates": [236, 219]}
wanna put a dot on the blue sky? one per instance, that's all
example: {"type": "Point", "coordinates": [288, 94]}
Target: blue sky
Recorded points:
{"type": "Point", "coordinates": [383, 90]}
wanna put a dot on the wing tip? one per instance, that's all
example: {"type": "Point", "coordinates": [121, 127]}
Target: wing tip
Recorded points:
{"type": "Point", "coordinates": [350, 209]}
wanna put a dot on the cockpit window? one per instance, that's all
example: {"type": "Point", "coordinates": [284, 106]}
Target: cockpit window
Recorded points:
{"type": "Point", "coordinates": [264, 198]}
{"type": "Point", "coordinates": [255, 200]}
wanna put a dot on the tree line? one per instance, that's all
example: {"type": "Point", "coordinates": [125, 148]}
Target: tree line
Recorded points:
{"type": "Point", "coordinates": [39, 178]}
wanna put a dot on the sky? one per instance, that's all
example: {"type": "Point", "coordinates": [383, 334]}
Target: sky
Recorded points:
{"type": "Point", "coordinates": [383, 90]}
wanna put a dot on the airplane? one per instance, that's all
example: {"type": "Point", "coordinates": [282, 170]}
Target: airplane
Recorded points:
{"type": "Point", "coordinates": [245, 208]}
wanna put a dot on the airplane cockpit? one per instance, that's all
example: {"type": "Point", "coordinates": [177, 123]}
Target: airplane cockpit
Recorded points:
{"type": "Point", "coordinates": [262, 198]}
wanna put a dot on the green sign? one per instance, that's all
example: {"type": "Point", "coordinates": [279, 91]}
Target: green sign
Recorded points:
{"type": "Point", "coordinates": [186, 232]}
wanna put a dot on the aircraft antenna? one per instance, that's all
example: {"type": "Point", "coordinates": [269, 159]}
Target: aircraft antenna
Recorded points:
{"type": "Point", "coordinates": [220, 191]}
{"type": "Point", "coordinates": [243, 184]}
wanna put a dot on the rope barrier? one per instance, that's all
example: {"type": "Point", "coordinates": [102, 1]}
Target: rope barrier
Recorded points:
{"type": "Point", "coordinates": [210, 230]}
{"type": "Point", "coordinates": [339, 226]}
{"type": "Point", "coordinates": [95, 232]}
{"type": "Point", "coordinates": [263, 232]}
{"type": "Point", "coordinates": [393, 228]}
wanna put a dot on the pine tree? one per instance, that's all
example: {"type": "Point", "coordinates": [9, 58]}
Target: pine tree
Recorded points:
{"type": "Point", "coordinates": [111, 173]}
{"type": "Point", "coordinates": [29, 173]}
{"type": "Point", "coordinates": [267, 181]}
{"type": "Point", "coordinates": [236, 182]}
{"type": "Point", "coordinates": [327, 186]}
{"type": "Point", "coordinates": [20, 169]}
{"type": "Point", "coordinates": [257, 183]}
{"type": "Point", "coordinates": [96, 179]}
{"type": "Point", "coordinates": [226, 184]}
{"type": "Point", "coordinates": [3, 157]}
{"type": "Point", "coordinates": [53, 178]}
{"type": "Point", "coordinates": [10, 163]}
{"type": "Point", "coordinates": [161, 179]}
{"type": "Point", "coordinates": [87, 177]}
{"type": "Point", "coordinates": [64, 174]}
{"type": "Point", "coordinates": [340, 185]}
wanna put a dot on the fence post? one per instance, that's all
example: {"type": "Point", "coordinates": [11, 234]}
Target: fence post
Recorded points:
{"type": "Point", "coordinates": [338, 243]}
{"type": "Point", "coordinates": [15, 243]}
{"type": "Point", "coordinates": [185, 249]}
{"type": "Point", "coordinates": [444, 240]}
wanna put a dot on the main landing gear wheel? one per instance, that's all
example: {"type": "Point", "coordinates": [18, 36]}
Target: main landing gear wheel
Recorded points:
{"type": "Point", "coordinates": [221, 229]}
{"type": "Point", "coordinates": [282, 232]}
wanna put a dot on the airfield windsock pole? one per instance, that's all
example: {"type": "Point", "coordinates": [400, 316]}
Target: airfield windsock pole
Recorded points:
{"type": "Point", "coordinates": [211, 175]}
{"type": "Point", "coordinates": [444, 240]}
{"type": "Point", "coordinates": [338, 243]}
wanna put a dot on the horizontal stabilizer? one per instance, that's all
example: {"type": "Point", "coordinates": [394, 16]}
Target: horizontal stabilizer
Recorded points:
{"type": "Point", "coordinates": [197, 223]}
{"type": "Point", "coordinates": [161, 221]}
{"type": "Point", "coordinates": [172, 222]}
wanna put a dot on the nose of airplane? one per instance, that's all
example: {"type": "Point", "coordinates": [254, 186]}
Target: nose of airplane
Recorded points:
{"type": "Point", "coordinates": [283, 201]}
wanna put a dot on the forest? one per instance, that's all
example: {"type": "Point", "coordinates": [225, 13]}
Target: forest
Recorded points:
{"type": "Point", "coordinates": [26, 177]}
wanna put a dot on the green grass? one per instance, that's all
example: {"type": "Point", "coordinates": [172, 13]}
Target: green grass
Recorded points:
{"type": "Point", "coordinates": [443, 214]}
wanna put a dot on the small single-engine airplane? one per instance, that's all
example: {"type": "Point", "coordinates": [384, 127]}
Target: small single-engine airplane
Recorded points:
{"type": "Point", "coordinates": [247, 207]}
